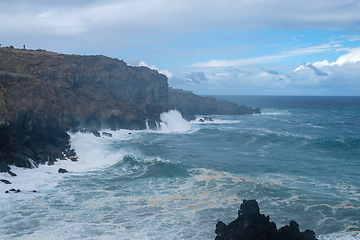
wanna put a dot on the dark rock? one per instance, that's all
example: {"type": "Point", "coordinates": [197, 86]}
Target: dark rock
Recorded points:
{"type": "Point", "coordinates": [251, 225]}
{"type": "Point", "coordinates": [93, 131]}
{"type": "Point", "coordinates": [12, 174]}
{"type": "Point", "coordinates": [62, 170]}
{"type": "Point", "coordinates": [5, 181]}
{"type": "Point", "coordinates": [96, 133]}
{"type": "Point", "coordinates": [206, 119]}
{"type": "Point", "coordinates": [3, 166]}
{"type": "Point", "coordinates": [74, 159]}
{"type": "Point", "coordinates": [106, 134]}
{"type": "Point", "coordinates": [70, 152]}
{"type": "Point", "coordinates": [6, 191]}
{"type": "Point", "coordinates": [15, 190]}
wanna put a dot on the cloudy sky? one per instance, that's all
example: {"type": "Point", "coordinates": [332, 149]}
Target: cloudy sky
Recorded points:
{"type": "Point", "coordinates": [245, 47]}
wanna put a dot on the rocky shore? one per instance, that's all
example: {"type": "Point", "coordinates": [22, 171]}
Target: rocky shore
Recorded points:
{"type": "Point", "coordinates": [43, 95]}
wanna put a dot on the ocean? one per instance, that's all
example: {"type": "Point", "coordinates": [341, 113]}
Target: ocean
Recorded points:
{"type": "Point", "coordinates": [299, 158]}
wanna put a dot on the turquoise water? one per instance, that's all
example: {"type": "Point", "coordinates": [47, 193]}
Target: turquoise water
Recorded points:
{"type": "Point", "coordinates": [300, 159]}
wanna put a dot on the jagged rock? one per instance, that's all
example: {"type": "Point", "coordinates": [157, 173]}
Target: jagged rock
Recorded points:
{"type": "Point", "coordinates": [70, 152]}
{"type": "Point", "coordinates": [5, 181]}
{"type": "Point", "coordinates": [93, 131]}
{"type": "Point", "coordinates": [15, 190]}
{"type": "Point", "coordinates": [106, 134]}
{"type": "Point", "coordinates": [206, 119]}
{"type": "Point", "coordinates": [62, 170]}
{"type": "Point", "coordinates": [12, 174]}
{"type": "Point", "coordinates": [251, 225]}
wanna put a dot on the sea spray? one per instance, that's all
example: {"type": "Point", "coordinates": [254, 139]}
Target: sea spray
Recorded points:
{"type": "Point", "coordinates": [168, 187]}
{"type": "Point", "coordinates": [173, 122]}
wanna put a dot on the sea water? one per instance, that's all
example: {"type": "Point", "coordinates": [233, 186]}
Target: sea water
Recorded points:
{"type": "Point", "coordinates": [299, 158]}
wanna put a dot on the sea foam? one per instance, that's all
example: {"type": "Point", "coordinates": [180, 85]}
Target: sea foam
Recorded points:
{"type": "Point", "coordinates": [173, 122]}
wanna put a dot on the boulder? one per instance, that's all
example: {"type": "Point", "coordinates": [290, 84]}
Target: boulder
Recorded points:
{"type": "Point", "coordinates": [106, 134]}
{"type": "Point", "coordinates": [62, 170]}
{"type": "Point", "coordinates": [5, 181]}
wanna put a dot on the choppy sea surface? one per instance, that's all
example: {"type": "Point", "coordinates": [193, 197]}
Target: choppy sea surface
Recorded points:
{"type": "Point", "coordinates": [300, 159]}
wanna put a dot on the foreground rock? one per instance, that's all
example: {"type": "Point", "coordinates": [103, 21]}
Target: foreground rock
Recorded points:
{"type": "Point", "coordinates": [251, 225]}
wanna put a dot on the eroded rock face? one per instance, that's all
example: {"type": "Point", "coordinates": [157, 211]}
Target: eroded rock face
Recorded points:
{"type": "Point", "coordinates": [251, 225]}
{"type": "Point", "coordinates": [44, 94]}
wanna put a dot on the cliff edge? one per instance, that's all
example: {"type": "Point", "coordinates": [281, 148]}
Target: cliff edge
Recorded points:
{"type": "Point", "coordinates": [45, 94]}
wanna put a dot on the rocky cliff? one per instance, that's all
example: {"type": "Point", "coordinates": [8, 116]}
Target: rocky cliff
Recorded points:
{"type": "Point", "coordinates": [44, 94]}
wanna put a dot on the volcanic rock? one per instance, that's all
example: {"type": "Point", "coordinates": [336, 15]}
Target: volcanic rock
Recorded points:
{"type": "Point", "coordinates": [5, 181]}
{"type": "Point", "coordinates": [251, 225]}
{"type": "Point", "coordinates": [62, 170]}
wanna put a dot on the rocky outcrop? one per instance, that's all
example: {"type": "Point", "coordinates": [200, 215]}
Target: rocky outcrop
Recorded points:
{"type": "Point", "coordinates": [251, 225]}
{"type": "Point", "coordinates": [44, 94]}
{"type": "Point", "coordinates": [190, 104]}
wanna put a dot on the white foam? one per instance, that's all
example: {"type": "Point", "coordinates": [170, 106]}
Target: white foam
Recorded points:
{"type": "Point", "coordinates": [215, 120]}
{"type": "Point", "coordinates": [173, 122]}
{"type": "Point", "coordinates": [340, 236]}
{"type": "Point", "coordinates": [274, 112]}
{"type": "Point", "coordinates": [94, 153]}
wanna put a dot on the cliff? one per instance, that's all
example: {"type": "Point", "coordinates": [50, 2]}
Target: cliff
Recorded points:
{"type": "Point", "coordinates": [190, 104]}
{"type": "Point", "coordinates": [44, 94]}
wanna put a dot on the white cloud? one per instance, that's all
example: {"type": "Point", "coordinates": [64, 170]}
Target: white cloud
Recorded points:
{"type": "Point", "coordinates": [168, 16]}
{"type": "Point", "coordinates": [341, 77]}
{"type": "Point", "coordinates": [269, 58]}
{"type": "Point", "coordinates": [342, 74]}
{"type": "Point", "coordinates": [166, 72]}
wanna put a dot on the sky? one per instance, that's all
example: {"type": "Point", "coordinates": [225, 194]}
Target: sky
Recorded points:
{"type": "Point", "coordinates": [210, 47]}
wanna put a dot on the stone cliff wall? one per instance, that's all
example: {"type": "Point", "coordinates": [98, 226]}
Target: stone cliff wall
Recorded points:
{"type": "Point", "coordinates": [114, 77]}
{"type": "Point", "coordinates": [43, 95]}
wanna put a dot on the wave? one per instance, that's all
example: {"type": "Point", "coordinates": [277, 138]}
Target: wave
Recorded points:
{"type": "Point", "coordinates": [215, 120]}
{"type": "Point", "coordinates": [340, 236]}
{"type": "Point", "coordinates": [173, 122]}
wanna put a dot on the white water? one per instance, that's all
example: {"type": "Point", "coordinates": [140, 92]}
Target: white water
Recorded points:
{"type": "Point", "coordinates": [153, 207]}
